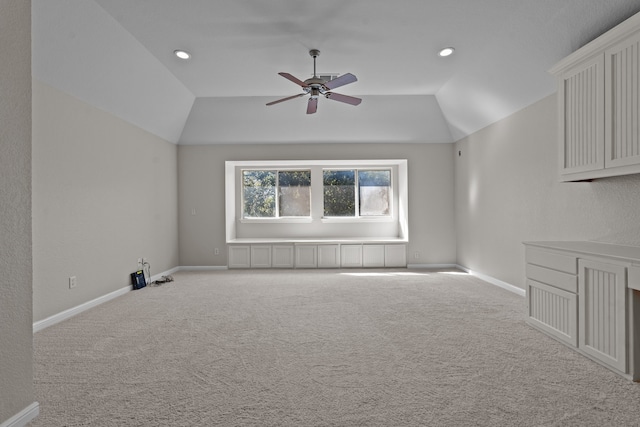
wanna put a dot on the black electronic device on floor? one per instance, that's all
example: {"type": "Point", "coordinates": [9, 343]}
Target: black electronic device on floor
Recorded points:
{"type": "Point", "coordinates": [137, 280]}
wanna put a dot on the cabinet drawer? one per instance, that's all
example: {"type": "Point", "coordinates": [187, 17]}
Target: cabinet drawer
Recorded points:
{"type": "Point", "coordinates": [557, 279]}
{"type": "Point", "coordinates": [553, 311]}
{"type": "Point", "coordinates": [565, 263]}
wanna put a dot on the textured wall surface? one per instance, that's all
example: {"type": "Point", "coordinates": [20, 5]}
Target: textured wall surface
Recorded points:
{"type": "Point", "coordinates": [104, 195]}
{"type": "Point", "coordinates": [507, 192]}
{"type": "Point", "coordinates": [201, 187]}
{"type": "Point", "coordinates": [16, 388]}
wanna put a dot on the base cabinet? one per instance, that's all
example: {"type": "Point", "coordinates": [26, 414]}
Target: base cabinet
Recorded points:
{"type": "Point", "coordinates": [282, 256]}
{"type": "Point", "coordinates": [260, 256]}
{"type": "Point", "coordinates": [602, 312]}
{"type": "Point", "coordinates": [239, 256]}
{"type": "Point", "coordinates": [328, 256]}
{"type": "Point", "coordinates": [306, 256]}
{"type": "Point", "coordinates": [321, 255]}
{"type": "Point", "coordinates": [583, 294]}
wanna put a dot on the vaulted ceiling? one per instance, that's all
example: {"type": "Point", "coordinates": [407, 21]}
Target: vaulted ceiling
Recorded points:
{"type": "Point", "coordinates": [118, 56]}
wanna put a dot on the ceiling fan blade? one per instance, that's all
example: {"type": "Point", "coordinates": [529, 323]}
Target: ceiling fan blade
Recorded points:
{"type": "Point", "coordinates": [343, 98]}
{"type": "Point", "coordinates": [344, 79]}
{"type": "Point", "coordinates": [312, 106]}
{"type": "Point", "coordinates": [293, 79]}
{"type": "Point", "coordinates": [286, 99]}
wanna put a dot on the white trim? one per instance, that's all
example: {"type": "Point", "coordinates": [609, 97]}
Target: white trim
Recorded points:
{"type": "Point", "coordinates": [202, 268]}
{"type": "Point", "coordinates": [67, 314]}
{"type": "Point", "coordinates": [504, 285]}
{"type": "Point", "coordinates": [399, 193]}
{"type": "Point", "coordinates": [23, 417]}
{"type": "Point", "coordinates": [432, 266]}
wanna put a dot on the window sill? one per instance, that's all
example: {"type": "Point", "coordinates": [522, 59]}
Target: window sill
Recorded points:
{"type": "Point", "coordinates": [275, 220]}
{"type": "Point", "coordinates": [354, 220]}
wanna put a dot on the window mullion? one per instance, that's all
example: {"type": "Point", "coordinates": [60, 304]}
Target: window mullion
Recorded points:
{"type": "Point", "coordinates": [357, 194]}
{"type": "Point", "coordinates": [277, 194]}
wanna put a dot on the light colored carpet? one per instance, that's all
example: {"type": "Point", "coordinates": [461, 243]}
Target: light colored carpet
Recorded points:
{"type": "Point", "coordinates": [319, 348]}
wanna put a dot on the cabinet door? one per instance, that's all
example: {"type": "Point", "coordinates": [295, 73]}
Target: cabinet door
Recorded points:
{"type": "Point", "coordinates": [239, 256]}
{"type": "Point", "coordinates": [395, 255]}
{"type": "Point", "coordinates": [328, 256]}
{"type": "Point", "coordinates": [553, 310]}
{"type": "Point", "coordinates": [306, 256]}
{"type": "Point", "coordinates": [373, 255]}
{"type": "Point", "coordinates": [581, 120]}
{"type": "Point", "coordinates": [351, 255]}
{"type": "Point", "coordinates": [622, 137]}
{"type": "Point", "coordinates": [602, 312]}
{"type": "Point", "coordinates": [282, 256]}
{"type": "Point", "coordinates": [260, 256]}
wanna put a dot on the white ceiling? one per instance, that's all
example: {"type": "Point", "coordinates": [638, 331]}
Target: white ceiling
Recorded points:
{"type": "Point", "coordinates": [118, 56]}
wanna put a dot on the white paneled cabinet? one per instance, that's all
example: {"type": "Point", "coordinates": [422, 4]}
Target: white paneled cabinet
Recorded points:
{"type": "Point", "coordinates": [282, 256]}
{"type": "Point", "coordinates": [373, 255]}
{"type": "Point", "coordinates": [328, 256]}
{"type": "Point", "coordinates": [260, 256]}
{"type": "Point", "coordinates": [395, 255]}
{"type": "Point", "coordinates": [239, 256]}
{"type": "Point", "coordinates": [602, 312]}
{"type": "Point", "coordinates": [622, 139]}
{"type": "Point", "coordinates": [599, 114]}
{"type": "Point", "coordinates": [351, 256]}
{"type": "Point", "coordinates": [316, 255]}
{"type": "Point", "coordinates": [306, 256]}
{"type": "Point", "coordinates": [585, 294]}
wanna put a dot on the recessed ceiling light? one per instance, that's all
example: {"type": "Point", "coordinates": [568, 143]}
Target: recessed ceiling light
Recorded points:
{"type": "Point", "coordinates": [182, 54]}
{"type": "Point", "coordinates": [446, 51]}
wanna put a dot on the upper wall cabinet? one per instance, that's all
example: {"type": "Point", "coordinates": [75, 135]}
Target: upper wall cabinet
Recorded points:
{"type": "Point", "coordinates": [599, 111]}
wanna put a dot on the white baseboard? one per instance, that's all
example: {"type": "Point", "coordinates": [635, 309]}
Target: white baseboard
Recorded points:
{"type": "Point", "coordinates": [202, 268]}
{"type": "Point", "coordinates": [64, 315]}
{"type": "Point", "coordinates": [432, 266]}
{"type": "Point", "coordinates": [23, 417]}
{"type": "Point", "coordinates": [504, 285]}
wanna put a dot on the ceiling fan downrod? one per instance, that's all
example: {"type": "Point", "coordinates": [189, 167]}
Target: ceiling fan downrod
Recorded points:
{"type": "Point", "coordinates": [315, 53]}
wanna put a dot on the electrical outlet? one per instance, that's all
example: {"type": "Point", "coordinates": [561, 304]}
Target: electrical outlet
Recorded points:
{"type": "Point", "coordinates": [140, 262]}
{"type": "Point", "coordinates": [416, 255]}
{"type": "Point", "coordinates": [216, 251]}
{"type": "Point", "coordinates": [72, 282]}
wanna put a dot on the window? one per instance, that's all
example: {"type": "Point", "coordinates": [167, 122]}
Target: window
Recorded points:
{"type": "Point", "coordinates": [373, 193]}
{"type": "Point", "coordinates": [339, 193]}
{"type": "Point", "coordinates": [303, 199]}
{"type": "Point", "coordinates": [273, 193]}
{"type": "Point", "coordinates": [294, 193]}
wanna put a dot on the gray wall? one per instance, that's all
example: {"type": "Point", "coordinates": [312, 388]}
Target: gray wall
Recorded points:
{"type": "Point", "coordinates": [201, 187]}
{"type": "Point", "coordinates": [104, 195]}
{"type": "Point", "coordinates": [16, 388]}
{"type": "Point", "coordinates": [507, 192]}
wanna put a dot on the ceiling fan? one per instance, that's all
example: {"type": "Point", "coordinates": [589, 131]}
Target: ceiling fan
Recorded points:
{"type": "Point", "coordinates": [316, 86]}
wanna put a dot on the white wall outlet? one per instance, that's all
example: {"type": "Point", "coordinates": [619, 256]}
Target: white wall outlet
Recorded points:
{"type": "Point", "coordinates": [216, 251]}
{"type": "Point", "coordinates": [140, 262]}
{"type": "Point", "coordinates": [72, 282]}
{"type": "Point", "coordinates": [416, 255]}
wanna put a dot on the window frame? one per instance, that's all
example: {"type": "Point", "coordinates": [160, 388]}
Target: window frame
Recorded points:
{"type": "Point", "coordinates": [316, 226]}
{"type": "Point", "coordinates": [278, 217]}
{"type": "Point", "coordinates": [357, 215]}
